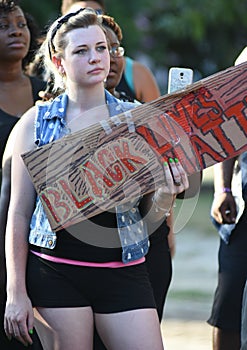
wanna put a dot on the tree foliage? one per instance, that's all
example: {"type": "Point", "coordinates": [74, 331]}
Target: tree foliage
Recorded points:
{"type": "Point", "coordinates": [204, 35]}
{"type": "Point", "coordinates": [45, 11]}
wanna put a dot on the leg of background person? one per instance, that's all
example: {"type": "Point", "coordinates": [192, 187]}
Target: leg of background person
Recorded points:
{"type": "Point", "coordinates": [159, 267]}
{"type": "Point", "coordinates": [227, 306]}
{"type": "Point", "coordinates": [226, 340]}
{"type": "Point", "coordinates": [97, 342]}
{"type": "Point", "coordinates": [244, 320]}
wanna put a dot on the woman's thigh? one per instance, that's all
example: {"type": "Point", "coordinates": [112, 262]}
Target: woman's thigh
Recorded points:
{"type": "Point", "coordinates": [65, 328]}
{"type": "Point", "coordinates": [136, 329]}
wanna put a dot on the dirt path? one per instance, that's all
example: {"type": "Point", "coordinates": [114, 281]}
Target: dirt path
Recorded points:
{"type": "Point", "coordinates": [186, 335]}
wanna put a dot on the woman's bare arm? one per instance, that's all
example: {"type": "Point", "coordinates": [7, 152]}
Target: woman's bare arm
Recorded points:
{"type": "Point", "coordinates": [145, 84]}
{"type": "Point", "coordinates": [19, 314]}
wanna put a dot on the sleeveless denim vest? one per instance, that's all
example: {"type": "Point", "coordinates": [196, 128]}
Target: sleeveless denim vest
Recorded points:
{"type": "Point", "coordinates": [50, 125]}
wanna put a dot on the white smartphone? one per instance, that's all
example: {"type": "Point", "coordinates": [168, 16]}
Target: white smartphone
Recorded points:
{"type": "Point", "coordinates": [179, 78]}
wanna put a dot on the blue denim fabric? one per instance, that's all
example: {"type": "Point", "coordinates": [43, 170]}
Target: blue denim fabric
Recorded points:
{"type": "Point", "coordinates": [132, 231]}
{"type": "Point", "coordinates": [51, 125]}
{"type": "Point", "coordinates": [224, 230]}
{"type": "Point", "coordinates": [40, 229]}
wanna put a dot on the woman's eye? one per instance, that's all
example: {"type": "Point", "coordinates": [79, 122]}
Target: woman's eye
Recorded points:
{"type": "Point", "coordinates": [22, 25]}
{"type": "Point", "coordinates": [3, 25]}
{"type": "Point", "coordinates": [81, 52]}
{"type": "Point", "coordinates": [101, 48]}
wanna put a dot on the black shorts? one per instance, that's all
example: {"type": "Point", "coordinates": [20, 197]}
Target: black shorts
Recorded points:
{"type": "Point", "coordinates": [106, 290]}
{"type": "Point", "coordinates": [227, 305]}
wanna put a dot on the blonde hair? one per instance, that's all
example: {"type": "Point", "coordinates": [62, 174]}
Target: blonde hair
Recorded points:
{"type": "Point", "coordinates": [56, 42]}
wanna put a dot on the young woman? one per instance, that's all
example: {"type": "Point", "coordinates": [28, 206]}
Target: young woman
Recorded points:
{"type": "Point", "coordinates": [62, 281]}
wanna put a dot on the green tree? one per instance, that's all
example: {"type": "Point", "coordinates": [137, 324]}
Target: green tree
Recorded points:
{"type": "Point", "coordinates": [204, 35]}
{"type": "Point", "coordinates": [45, 11]}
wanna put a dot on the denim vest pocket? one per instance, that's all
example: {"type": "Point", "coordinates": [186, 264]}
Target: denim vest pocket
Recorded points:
{"type": "Point", "coordinates": [40, 229]}
{"type": "Point", "coordinates": [132, 232]}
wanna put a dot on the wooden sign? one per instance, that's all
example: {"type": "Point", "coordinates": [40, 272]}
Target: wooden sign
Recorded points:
{"type": "Point", "coordinates": [97, 168]}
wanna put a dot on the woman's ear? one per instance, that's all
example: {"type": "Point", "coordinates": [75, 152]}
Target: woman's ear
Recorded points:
{"type": "Point", "coordinates": [57, 62]}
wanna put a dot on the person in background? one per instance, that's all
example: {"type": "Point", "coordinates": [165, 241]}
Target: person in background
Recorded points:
{"type": "Point", "coordinates": [147, 90]}
{"type": "Point", "coordinates": [18, 92]}
{"type": "Point", "coordinates": [158, 259]}
{"type": "Point", "coordinates": [137, 80]}
{"type": "Point", "coordinates": [229, 214]}
{"type": "Point", "coordinates": [241, 59]}
{"type": "Point", "coordinates": [72, 5]}
{"type": "Point", "coordinates": [38, 271]}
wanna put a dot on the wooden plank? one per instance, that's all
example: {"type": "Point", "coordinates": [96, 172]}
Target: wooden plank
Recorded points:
{"type": "Point", "coordinates": [90, 171]}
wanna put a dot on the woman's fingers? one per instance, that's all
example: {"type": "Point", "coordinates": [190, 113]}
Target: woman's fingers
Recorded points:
{"type": "Point", "coordinates": [175, 171]}
{"type": "Point", "coordinates": [183, 175]}
{"type": "Point", "coordinates": [168, 176]}
{"type": "Point", "coordinates": [176, 177]}
{"type": "Point", "coordinates": [18, 324]}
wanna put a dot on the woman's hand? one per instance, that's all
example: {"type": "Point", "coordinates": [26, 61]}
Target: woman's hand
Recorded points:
{"type": "Point", "coordinates": [176, 178]}
{"type": "Point", "coordinates": [19, 319]}
{"type": "Point", "coordinates": [176, 182]}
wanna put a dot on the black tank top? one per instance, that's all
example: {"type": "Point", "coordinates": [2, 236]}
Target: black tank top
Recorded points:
{"type": "Point", "coordinates": [7, 121]}
{"type": "Point", "coordinates": [124, 87]}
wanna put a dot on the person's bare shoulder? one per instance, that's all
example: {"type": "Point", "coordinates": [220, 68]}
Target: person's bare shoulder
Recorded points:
{"type": "Point", "coordinates": [146, 87]}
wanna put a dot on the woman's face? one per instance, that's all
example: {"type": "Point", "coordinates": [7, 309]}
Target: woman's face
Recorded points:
{"type": "Point", "coordinates": [82, 4]}
{"type": "Point", "coordinates": [86, 58]}
{"type": "Point", "coordinates": [116, 63]}
{"type": "Point", "coordinates": [14, 35]}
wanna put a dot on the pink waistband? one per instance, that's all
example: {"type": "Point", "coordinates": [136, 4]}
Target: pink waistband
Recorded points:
{"type": "Point", "coordinates": [110, 264]}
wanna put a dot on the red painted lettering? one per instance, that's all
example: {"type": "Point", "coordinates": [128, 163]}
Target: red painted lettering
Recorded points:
{"type": "Point", "coordinates": [110, 164]}
{"type": "Point", "coordinates": [55, 205]}
{"type": "Point", "coordinates": [95, 178]}
{"type": "Point", "coordinates": [126, 157]}
{"type": "Point", "coordinates": [80, 204]}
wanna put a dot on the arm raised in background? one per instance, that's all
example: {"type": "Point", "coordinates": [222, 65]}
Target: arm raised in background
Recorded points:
{"type": "Point", "coordinates": [145, 85]}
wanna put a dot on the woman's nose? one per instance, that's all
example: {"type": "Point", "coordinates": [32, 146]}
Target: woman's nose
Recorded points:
{"type": "Point", "coordinates": [14, 30]}
{"type": "Point", "coordinates": [94, 57]}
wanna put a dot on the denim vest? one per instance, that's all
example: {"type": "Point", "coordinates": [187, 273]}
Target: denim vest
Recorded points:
{"type": "Point", "coordinates": [50, 125]}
